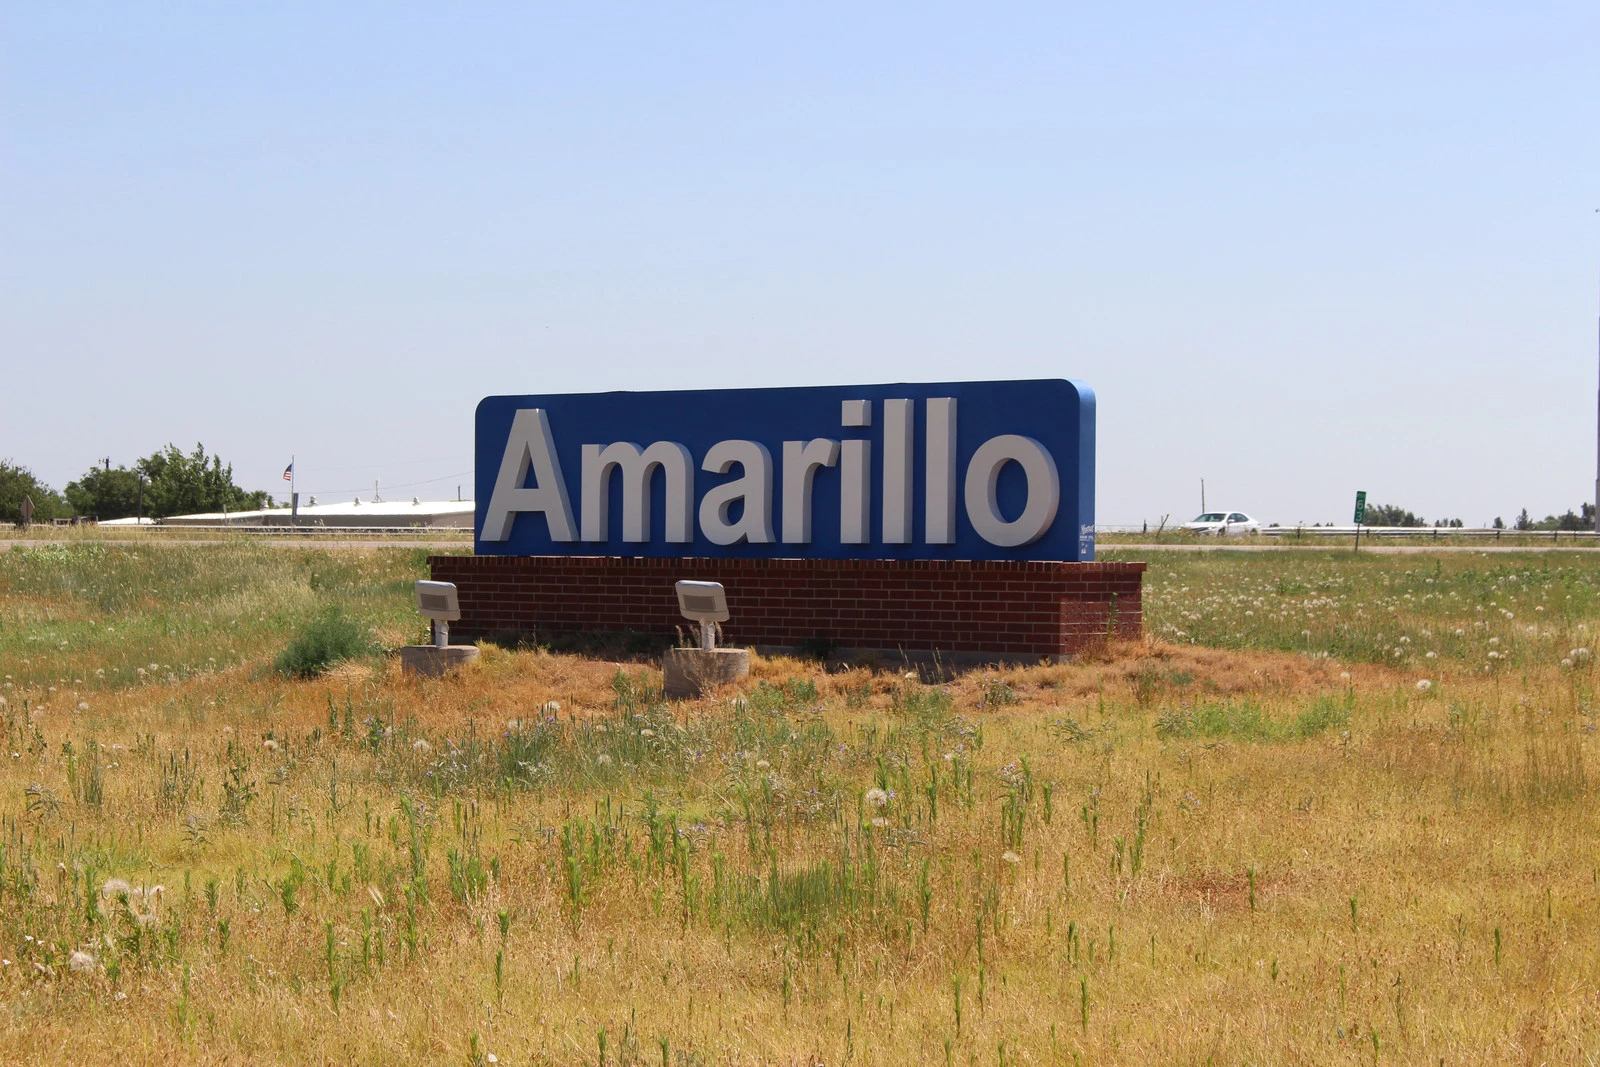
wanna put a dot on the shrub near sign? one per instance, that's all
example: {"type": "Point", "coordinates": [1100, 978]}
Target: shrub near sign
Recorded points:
{"type": "Point", "coordinates": [963, 470]}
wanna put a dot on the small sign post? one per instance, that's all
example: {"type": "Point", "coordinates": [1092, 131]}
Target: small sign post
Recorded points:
{"type": "Point", "coordinates": [1361, 515]}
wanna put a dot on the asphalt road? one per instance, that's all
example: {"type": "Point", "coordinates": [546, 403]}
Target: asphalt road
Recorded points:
{"type": "Point", "coordinates": [1386, 550]}
{"type": "Point", "coordinates": [279, 542]}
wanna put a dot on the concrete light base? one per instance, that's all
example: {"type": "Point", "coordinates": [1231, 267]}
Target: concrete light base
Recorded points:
{"type": "Point", "coordinates": [432, 661]}
{"type": "Point", "coordinates": [689, 672]}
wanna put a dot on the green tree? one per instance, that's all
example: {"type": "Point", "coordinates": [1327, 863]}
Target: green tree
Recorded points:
{"type": "Point", "coordinates": [1582, 519]}
{"type": "Point", "coordinates": [181, 484]}
{"type": "Point", "coordinates": [105, 493]}
{"type": "Point", "coordinates": [1392, 515]}
{"type": "Point", "coordinates": [17, 482]}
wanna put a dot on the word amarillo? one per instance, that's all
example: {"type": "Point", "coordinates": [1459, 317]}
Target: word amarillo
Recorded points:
{"type": "Point", "coordinates": [739, 511]}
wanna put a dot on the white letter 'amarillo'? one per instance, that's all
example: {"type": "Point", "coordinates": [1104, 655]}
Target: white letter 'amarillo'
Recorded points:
{"type": "Point", "coordinates": [529, 445]}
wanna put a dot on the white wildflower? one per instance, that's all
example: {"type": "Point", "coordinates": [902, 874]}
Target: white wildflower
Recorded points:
{"type": "Point", "coordinates": [647, 732]}
{"type": "Point", "coordinates": [1010, 857]}
{"type": "Point", "coordinates": [81, 962]}
{"type": "Point", "coordinates": [419, 745]}
{"type": "Point", "coordinates": [603, 759]}
{"type": "Point", "coordinates": [1424, 685]}
{"type": "Point", "coordinates": [762, 765]}
{"type": "Point", "coordinates": [83, 705]}
{"type": "Point", "coordinates": [113, 888]}
{"type": "Point", "coordinates": [1567, 663]}
{"type": "Point", "coordinates": [270, 745]}
{"type": "Point", "coordinates": [877, 798]}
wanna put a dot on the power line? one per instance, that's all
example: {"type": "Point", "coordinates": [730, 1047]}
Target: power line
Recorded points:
{"type": "Point", "coordinates": [395, 485]}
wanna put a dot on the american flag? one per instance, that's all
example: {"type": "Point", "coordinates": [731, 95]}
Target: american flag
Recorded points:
{"type": "Point", "coordinates": [288, 472]}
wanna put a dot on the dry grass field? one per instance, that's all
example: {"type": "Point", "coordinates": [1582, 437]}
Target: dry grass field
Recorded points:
{"type": "Point", "coordinates": [1335, 809]}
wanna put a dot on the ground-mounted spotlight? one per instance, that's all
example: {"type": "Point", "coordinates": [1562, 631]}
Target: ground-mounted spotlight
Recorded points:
{"type": "Point", "coordinates": [687, 673]}
{"type": "Point", "coordinates": [705, 603]}
{"type": "Point", "coordinates": [440, 604]}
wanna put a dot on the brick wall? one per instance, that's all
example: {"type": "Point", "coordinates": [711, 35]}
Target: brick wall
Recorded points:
{"type": "Point", "coordinates": [1018, 609]}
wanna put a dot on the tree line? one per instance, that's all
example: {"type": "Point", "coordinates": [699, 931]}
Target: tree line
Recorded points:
{"type": "Point", "coordinates": [166, 482]}
{"type": "Point", "coordinates": [1393, 515]}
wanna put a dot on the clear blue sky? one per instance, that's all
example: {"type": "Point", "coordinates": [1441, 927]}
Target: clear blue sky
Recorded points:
{"type": "Point", "coordinates": [1298, 250]}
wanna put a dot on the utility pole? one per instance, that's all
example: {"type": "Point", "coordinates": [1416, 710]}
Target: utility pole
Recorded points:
{"type": "Point", "coordinates": [1597, 428]}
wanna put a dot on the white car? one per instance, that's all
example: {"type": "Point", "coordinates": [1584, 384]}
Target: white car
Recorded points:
{"type": "Point", "coordinates": [1223, 524]}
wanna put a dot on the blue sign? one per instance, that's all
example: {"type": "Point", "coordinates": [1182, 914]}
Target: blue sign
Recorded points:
{"type": "Point", "coordinates": [961, 470]}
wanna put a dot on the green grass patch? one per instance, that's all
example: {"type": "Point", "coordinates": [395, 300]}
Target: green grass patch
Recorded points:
{"type": "Point", "coordinates": [1245, 721]}
{"type": "Point", "coordinates": [330, 638]}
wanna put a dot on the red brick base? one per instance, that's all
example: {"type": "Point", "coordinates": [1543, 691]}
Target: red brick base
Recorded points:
{"type": "Point", "coordinates": [1007, 609]}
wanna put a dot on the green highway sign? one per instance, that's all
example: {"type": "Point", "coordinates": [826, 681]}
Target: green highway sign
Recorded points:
{"type": "Point", "coordinates": [1361, 507]}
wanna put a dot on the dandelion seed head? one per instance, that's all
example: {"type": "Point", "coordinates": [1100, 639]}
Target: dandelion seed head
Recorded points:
{"type": "Point", "coordinates": [1424, 685]}
{"type": "Point", "coordinates": [876, 797]}
{"type": "Point", "coordinates": [81, 962]}
{"type": "Point", "coordinates": [1010, 857]}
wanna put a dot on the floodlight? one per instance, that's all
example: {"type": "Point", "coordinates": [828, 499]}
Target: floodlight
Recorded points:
{"type": "Point", "coordinates": [705, 603]}
{"type": "Point", "coordinates": [437, 601]}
